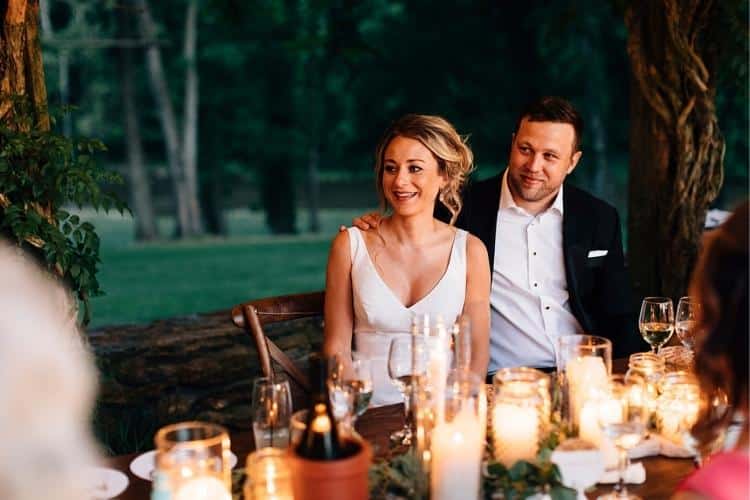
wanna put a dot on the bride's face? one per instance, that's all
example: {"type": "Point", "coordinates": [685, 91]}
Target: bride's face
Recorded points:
{"type": "Point", "coordinates": [411, 177]}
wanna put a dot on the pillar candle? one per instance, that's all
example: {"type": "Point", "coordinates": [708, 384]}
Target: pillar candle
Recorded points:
{"type": "Point", "coordinates": [456, 457]}
{"type": "Point", "coordinates": [515, 431]}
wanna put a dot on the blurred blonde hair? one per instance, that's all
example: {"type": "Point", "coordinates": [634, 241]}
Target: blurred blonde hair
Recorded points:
{"type": "Point", "coordinates": [47, 387]}
{"type": "Point", "coordinates": [454, 158]}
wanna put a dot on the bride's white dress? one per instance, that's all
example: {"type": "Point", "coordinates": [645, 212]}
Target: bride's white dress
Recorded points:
{"type": "Point", "coordinates": [379, 315]}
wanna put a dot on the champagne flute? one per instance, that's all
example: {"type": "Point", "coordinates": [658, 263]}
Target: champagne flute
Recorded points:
{"type": "Point", "coordinates": [624, 424]}
{"type": "Point", "coordinates": [404, 368]}
{"type": "Point", "coordinates": [684, 322]}
{"type": "Point", "coordinates": [656, 321]}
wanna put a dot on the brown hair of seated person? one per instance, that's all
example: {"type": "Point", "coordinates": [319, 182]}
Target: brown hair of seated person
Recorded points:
{"type": "Point", "coordinates": [720, 282]}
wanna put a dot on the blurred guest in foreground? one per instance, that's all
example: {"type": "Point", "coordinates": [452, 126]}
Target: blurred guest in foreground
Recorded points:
{"type": "Point", "coordinates": [720, 282]}
{"type": "Point", "coordinates": [47, 386]}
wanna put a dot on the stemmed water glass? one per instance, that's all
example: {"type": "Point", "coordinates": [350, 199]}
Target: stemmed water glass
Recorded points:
{"type": "Point", "coordinates": [656, 321]}
{"type": "Point", "coordinates": [360, 383]}
{"type": "Point", "coordinates": [625, 426]}
{"type": "Point", "coordinates": [405, 364]}
{"type": "Point", "coordinates": [684, 322]}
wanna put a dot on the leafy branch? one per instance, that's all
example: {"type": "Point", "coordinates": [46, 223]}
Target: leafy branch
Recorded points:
{"type": "Point", "coordinates": [42, 171]}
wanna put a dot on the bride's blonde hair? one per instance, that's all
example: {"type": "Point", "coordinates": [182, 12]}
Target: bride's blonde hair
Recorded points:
{"type": "Point", "coordinates": [454, 158]}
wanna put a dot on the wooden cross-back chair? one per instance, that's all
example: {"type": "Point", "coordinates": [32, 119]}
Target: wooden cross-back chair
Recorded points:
{"type": "Point", "coordinates": [254, 315]}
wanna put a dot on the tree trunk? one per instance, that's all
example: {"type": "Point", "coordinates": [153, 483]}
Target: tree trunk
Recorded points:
{"type": "Point", "coordinates": [676, 149]}
{"type": "Point", "coordinates": [198, 367]}
{"type": "Point", "coordinates": [168, 121]}
{"type": "Point", "coordinates": [140, 186]}
{"type": "Point", "coordinates": [21, 69]}
{"type": "Point", "coordinates": [190, 121]}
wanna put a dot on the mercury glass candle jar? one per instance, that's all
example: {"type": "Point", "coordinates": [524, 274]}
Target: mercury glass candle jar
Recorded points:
{"type": "Point", "coordinates": [517, 417]}
{"type": "Point", "coordinates": [515, 376]}
{"type": "Point", "coordinates": [677, 406]}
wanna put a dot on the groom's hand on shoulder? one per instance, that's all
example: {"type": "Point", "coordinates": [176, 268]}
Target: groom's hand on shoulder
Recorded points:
{"type": "Point", "coordinates": [365, 222]}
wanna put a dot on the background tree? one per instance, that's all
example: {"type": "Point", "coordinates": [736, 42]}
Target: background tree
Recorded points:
{"type": "Point", "coordinates": [676, 147]}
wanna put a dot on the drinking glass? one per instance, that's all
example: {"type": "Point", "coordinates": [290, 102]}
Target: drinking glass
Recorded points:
{"type": "Point", "coordinates": [342, 400]}
{"type": "Point", "coordinates": [624, 423]}
{"type": "Point", "coordinates": [684, 321]}
{"type": "Point", "coordinates": [360, 383]}
{"type": "Point", "coordinates": [584, 363]}
{"type": "Point", "coordinates": [272, 407]}
{"type": "Point", "coordinates": [656, 321]}
{"type": "Point", "coordinates": [406, 362]}
{"type": "Point", "coordinates": [194, 459]}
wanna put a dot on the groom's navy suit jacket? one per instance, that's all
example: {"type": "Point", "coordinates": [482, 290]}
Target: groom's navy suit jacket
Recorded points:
{"type": "Point", "coordinates": [598, 286]}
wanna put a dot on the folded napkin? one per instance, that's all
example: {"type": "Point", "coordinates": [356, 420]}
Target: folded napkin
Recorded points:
{"type": "Point", "coordinates": [658, 445]}
{"type": "Point", "coordinates": [635, 474]}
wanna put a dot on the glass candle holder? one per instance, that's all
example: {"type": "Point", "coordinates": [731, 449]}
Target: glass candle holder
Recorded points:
{"type": "Point", "coordinates": [650, 368]}
{"type": "Point", "coordinates": [677, 406]}
{"type": "Point", "coordinates": [193, 457]}
{"type": "Point", "coordinates": [584, 363]}
{"type": "Point", "coordinates": [511, 377]}
{"type": "Point", "coordinates": [268, 476]}
{"type": "Point", "coordinates": [517, 417]}
{"type": "Point", "coordinates": [677, 358]}
{"type": "Point", "coordinates": [457, 442]}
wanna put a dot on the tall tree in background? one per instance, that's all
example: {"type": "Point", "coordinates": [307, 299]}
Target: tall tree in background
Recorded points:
{"type": "Point", "coordinates": [676, 148]}
{"type": "Point", "coordinates": [184, 175]}
{"type": "Point", "coordinates": [138, 178]}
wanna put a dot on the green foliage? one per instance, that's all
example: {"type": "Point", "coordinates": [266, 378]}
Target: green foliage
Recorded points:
{"type": "Point", "coordinates": [524, 479]}
{"type": "Point", "coordinates": [42, 171]}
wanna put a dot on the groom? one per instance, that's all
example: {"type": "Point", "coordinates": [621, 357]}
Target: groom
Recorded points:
{"type": "Point", "coordinates": [555, 251]}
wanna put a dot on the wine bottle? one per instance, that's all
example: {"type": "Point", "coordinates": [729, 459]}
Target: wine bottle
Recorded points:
{"type": "Point", "coordinates": [321, 440]}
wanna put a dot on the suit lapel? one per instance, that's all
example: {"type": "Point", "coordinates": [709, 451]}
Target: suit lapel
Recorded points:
{"type": "Point", "coordinates": [485, 215]}
{"type": "Point", "coordinates": [575, 245]}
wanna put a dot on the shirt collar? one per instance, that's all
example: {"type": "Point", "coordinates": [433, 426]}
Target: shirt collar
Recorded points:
{"type": "Point", "coordinates": [507, 201]}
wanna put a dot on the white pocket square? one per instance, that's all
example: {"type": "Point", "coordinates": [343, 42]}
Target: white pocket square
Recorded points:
{"type": "Point", "coordinates": [597, 253]}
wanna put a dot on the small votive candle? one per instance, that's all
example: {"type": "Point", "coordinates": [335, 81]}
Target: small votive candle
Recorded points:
{"type": "Point", "coordinates": [268, 476]}
{"type": "Point", "coordinates": [678, 406]}
{"type": "Point", "coordinates": [516, 418]}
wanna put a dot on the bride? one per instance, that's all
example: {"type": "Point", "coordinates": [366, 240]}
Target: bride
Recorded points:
{"type": "Point", "coordinates": [377, 280]}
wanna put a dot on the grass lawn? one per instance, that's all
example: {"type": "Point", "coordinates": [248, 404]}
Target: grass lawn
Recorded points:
{"type": "Point", "coordinates": [143, 282]}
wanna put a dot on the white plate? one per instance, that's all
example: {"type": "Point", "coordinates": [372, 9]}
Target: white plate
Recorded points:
{"type": "Point", "coordinates": [143, 465]}
{"type": "Point", "coordinates": [103, 483]}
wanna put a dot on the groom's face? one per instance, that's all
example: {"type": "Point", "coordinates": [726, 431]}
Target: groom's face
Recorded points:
{"type": "Point", "coordinates": [541, 156]}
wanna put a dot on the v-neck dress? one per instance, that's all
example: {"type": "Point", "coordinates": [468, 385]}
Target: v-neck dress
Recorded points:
{"type": "Point", "coordinates": [379, 315]}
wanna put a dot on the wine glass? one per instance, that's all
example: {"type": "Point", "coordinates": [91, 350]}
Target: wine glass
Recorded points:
{"type": "Point", "coordinates": [272, 408]}
{"type": "Point", "coordinates": [684, 321]}
{"type": "Point", "coordinates": [342, 398]}
{"type": "Point", "coordinates": [656, 321]}
{"type": "Point", "coordinates": [623, 419]}
{"type": "Point", "coordinates": [404, 366]}
{"type": "Point", "coordinates": [360, 383]}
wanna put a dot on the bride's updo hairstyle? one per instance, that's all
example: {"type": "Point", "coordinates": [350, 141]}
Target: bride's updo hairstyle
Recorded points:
{"type": "Point", "coordinates": [454, 158]}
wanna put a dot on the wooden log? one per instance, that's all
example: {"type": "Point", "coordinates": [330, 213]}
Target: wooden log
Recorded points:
{"type": "Point", "coordinates": [195, 367]}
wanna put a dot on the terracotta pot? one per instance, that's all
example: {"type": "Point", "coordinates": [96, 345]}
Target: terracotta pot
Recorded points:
{"type": "Point", "coordinates": [344, 479]}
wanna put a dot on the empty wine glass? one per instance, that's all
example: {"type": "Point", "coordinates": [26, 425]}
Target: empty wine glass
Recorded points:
{"type": "Point", "coordinates": [272, 407]}
{"type": "Point", "coordinates": [405, 364]}
{"type": "Point", "coordinates": [684, 321]}
{"type": "Point", "coordinates": [360, 383]}
{"type": "Point", "coordinates": [342, 398]}
{"type": "Point", "coordinates": [624, 424]}
{"type": "Point", "coordinates": [656, 321]}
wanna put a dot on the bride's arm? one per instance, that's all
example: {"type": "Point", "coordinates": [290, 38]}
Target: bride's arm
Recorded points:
{"type": "Point", "coordinates": [477, 303]}
{"type": "Point", "coordinates": [338, 311]}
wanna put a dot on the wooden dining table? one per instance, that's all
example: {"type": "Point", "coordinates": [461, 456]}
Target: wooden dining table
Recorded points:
{"type": "Point", "coordinates": [662, 474]}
